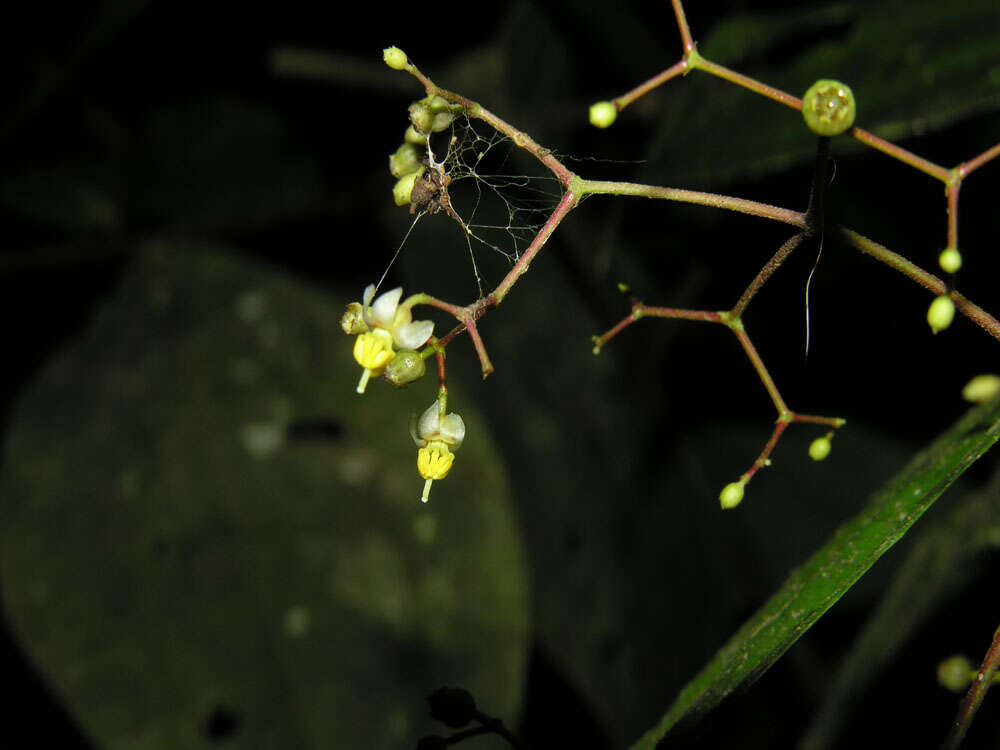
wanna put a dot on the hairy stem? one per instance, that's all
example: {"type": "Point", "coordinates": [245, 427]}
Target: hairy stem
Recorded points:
{"type": "Point", "coordinates": [927, 280]}
{"type": "Point", "coordinates": [714, 200]}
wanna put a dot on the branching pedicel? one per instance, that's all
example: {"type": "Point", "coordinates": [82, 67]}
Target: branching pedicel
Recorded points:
{"type": "Point", "coordinates": [829, 110]}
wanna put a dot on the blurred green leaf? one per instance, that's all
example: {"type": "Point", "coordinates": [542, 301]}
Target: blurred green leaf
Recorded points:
{"type": "Point", "coordinates": [817, 585]}
{"type": "Point", "coordinates": [939, 565]}
{"type": "Point", "coordinates": [914, 67]}
{"type": "Point", "coordinates": [200, 513]}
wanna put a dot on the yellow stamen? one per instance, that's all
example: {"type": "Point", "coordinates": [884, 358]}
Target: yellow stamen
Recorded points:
{"type": "Point", "coordinates": [373, 350]}
{"type": "Point", "coordinates": [434, 461]}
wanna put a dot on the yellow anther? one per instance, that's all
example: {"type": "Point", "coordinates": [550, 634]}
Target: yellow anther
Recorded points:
{"type": "Point", "coordinates": [434, 461]}
{"type": "Point", "coordinates": [373, 350]}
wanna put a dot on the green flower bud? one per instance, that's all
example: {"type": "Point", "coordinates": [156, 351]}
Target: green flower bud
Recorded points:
{"type": "Point", "coordinates": [437, 104]}
{"type": "Point", "coordinates": [731, 495]}
{"type": "Point", "coordinates": [940, 313]}
{"type": "Point", "coordinates": [955, 673]}
{"type": "Point", "coordinates": [441, 121]}
{"type": "Point", "coordinates": [950, 260]}
{"type": "Point", "coordinates": [395, 58]}
{"type": "Point", "coordinates": [981, 388]}
{"type": "Point", "coordinates": [432, 114]}
{"type": "Point", "coordinates": [828, 107]}
{"type": "Point", "coordinates": [820, 448]}
{"type": "Point", "coordinates": [405, 161]}
{"type": "Point", "coordinates": [603, 114]}
{"type": "Point", "coordinates": [412, 136]}
{"type": "Point", "coordinates": [404, 368]}
{"type": "Point", "coordinates": [421, 117]}
{"type": "Point", "coordinates": [403, 188]}
{"type": "Point", "coordinates": [353, 321]}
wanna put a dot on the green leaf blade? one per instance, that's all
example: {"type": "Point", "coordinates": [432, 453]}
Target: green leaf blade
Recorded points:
{"type": "Point", "coordinates": [825, 577]}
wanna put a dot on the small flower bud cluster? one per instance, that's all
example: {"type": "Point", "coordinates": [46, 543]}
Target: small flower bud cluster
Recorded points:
{"type": "Point", "coordinates": [432, 114]}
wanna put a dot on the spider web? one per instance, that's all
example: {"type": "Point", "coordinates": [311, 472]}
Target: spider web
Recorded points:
{"type": "Point", "coordinates": [500, 210]}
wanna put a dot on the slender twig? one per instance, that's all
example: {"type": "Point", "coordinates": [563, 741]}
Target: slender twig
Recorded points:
{"type": "Point", "coordinates": [964, 170]}
{"type": "Point", "coordinates": [714, 200]}
{"type": "Point", "coordinates": [952, 195]}
{"type": "Point", "coordinates": [765, 273]}
{"type": "Point", "coordinates": [679, 68]}
{"type": "Point", "coordinates": [927, 280]}
{"type": "Point", "coordinates": [974, 697]}
{"type": "Point", "coordinates": [901, 154]}
{"type": "Point", "coordinates": [682, 26]}
{"type": "Point", "coordinates": [700, 63]}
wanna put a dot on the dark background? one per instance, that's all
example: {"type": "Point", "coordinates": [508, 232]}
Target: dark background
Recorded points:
{"type": "Point", "coordinates": [618, 499]}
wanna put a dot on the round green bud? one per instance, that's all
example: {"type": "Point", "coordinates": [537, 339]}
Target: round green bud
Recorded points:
{"type": "Point", "coordinates": [731, 495]}
{"type": "Point", "coordinates": [404, 368]}
{"type": "Point", "coordinates": [950, 260]}
{"type": "Point", "coordinates": [353, 320]}
{"type": "Point", "coordinates": [395, 58]}
{"type": "Point", "coordinates": [437, 104]}
{"type": "Point", "coordinates": [421, 117]}
{"type": "Point", "coordinates": [820, 448]}
{"type": "Point", "coordinates": [955, 673]}
{"type": "Point", "coordinates": [403, 188]}
{"type": "Point", "coordinates": [603, 114]}
{"type": "Point", "coordinates": [412, 136]}
{"type": "Point", "coordinates": [981, 388]}
{"type": "Point", "coordinates": [940, 313]}
{"type": "Point", "coordinates": [828, 107]}
{"type": "Point", "coordinates": [405, 161]}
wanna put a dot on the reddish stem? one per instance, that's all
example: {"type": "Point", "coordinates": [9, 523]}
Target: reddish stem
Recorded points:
{"type": "Point", "coordinates": [644, 88]}
{"type": "Point", "coordinates": [964, 170]}
{"type": "Point", "coordinates": [974, 697]}
{"type": "Point", "coordinates": [682, 26]}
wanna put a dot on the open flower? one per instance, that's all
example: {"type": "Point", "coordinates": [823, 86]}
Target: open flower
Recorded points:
{"type": "Point", "coordinates": [437, 435]}
{"type": "Point", "coordinates": [382, 327]}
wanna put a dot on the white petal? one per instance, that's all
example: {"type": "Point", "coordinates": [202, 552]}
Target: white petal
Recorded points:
{"type": "Point", "coordinates": [413, 335]}
{"type": "Point", "coordinates": [453, 429]}
{"type": "Point", "coordinates": [384, 308]}
{"type": "Point", "coordinates": [369, 295]}
{"type": "Point", "coordinates": [427, 427]}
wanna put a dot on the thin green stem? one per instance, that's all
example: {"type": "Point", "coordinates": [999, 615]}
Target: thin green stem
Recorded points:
{"type": "Point", "coordinates": [741, 205]}
{"type": "Point", "coordinates": [700, 63]}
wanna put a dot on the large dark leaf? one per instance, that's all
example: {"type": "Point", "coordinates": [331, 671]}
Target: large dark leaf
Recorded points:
{"type": "Point", "coordinates": [203, 519]}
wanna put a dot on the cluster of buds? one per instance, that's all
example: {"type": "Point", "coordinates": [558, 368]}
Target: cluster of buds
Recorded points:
{"type": "Point", "coordinates": [432, 114]}
{"type": "Point", "coordinates": [386, 343]}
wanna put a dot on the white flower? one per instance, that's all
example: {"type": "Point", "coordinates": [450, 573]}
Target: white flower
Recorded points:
{"type": "Point", "coordinates": [437, 436]}
{"type": "Point", "coordinates": [386, 325]}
